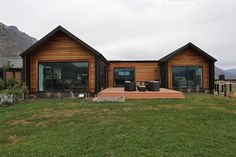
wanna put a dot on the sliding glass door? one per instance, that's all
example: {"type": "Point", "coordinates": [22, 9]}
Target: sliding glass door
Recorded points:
{"type": "Point", "coordinates": [187, 77]}
{"type": "Point", "coordinates": [123, 74]}
{"type": "Point", "coordinates": [66, 76]}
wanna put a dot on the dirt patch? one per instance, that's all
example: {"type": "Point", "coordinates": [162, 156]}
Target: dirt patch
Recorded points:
{"type": "Point", "coordinates": [107, 116]}
{"type": "Point", "coordinates": [109, 119]}
{"type": "Point", "coordinates": [221, 109]}
{"type": "Point", "coordinates": [141, 108]}
{"type": "Point", "coordinates": [21, 122]}
{"type": "Point", "coordinates": [13, 139]}
{"type": "Point", "coordinates": [73, 104]}
{"type": "Point", "coordinates": [128, 109]}
{"type": "Point", "coordinates": [70, 104]}
{"type": "Point", "coordinates": [150, 108]}
{"type": "Point", "coordinates": [47, 116]}
{"type": "Point", "coordinates": [50, 116]}
{"type": "Point", "coordinates": [178, 107]}
{"type": "Point", "coordinates": [169, 106]}
{"type": "Point", "coordinates": [10, 139]}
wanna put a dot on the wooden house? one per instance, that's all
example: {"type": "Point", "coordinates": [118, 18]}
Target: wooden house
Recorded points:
{"type": "Point", "coordinates": [61, 62]}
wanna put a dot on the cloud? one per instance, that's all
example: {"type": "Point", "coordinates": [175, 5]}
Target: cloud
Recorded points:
{"type": "Point", "coordinates": [133, 29]}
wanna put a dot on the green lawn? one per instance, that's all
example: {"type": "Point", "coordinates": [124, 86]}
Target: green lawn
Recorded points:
{"type": "Point", "coordinates": [200, 125]}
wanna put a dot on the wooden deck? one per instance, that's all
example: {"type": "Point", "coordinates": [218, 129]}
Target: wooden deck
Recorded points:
{"type": "Point", "coordinates": [163, 93]}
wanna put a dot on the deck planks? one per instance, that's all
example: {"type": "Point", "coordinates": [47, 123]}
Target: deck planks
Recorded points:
{"type": "Point", "coordinates": [163, 93]}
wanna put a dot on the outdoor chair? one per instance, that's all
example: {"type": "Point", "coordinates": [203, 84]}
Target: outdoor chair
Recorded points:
{"type": "Point", "coordinates": [130, 86]}
{"type": "Point", "coordinates": [153, 86]}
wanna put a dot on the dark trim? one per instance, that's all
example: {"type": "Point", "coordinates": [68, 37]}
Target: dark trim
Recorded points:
{"type": "Point", "coordinates": [96, 75]}
{"type": "Point", "coordinates": [61, 29]}
{"type": "Point", "coordinates": [189, 45]}
{"type": "Point", "coordinates": [211, 76]}
{"type": "Point", "coordinates": [141, 61]}
{"type": "Point", "coordinates": [103, 75]}
{"type": "Point", "coordinates": [14, 69]}
{"type": "Point", "coordinates": [26, 70]}
{"type": "Point", "coordinates": [164, 74]}
{"type": "Point", "coordinates": [3, 74]}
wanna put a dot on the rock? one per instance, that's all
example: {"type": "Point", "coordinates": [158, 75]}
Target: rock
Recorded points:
{"type": "Point", "coordinates": [7, 98]}
{"type": "Point", "coordinates": [108, 99]}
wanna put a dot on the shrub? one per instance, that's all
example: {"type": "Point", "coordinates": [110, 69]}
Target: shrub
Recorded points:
{"type": "Point", "coordinates": [12, 83]}
{"type": "Point", "coordinates": [12, 86]}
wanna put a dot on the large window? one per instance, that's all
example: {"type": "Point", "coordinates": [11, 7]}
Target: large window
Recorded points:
{"type": "Point", "coordinates": [66, 76]}
{"type": "Point", "coordinates": [187, 77]}
{"type": "Point", "coordinates": [123, 74]}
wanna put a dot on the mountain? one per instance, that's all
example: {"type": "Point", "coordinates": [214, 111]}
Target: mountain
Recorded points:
{"type": "Point", "coordinates": [232, 71]}
{"type": "Point", "coordinates": [228, 75]}
{"type": "Point", "coordinates": [13, 41]}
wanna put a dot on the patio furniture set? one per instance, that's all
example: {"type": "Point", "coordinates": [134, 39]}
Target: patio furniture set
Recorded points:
{"type": "Point", "coordinates": [148, 86]}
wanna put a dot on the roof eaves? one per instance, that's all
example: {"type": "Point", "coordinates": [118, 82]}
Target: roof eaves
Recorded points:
{"type": "Point", "coordinates": [174, 53]}
{"type": "Point", "coordinates": [60, 28]}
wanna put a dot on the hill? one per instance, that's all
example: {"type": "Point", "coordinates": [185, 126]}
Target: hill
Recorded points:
{"type": "Point", "coordinates": [13, 41]}
{"type": "Point", "coordinates": [228, 75]}
{"type": "Point", "coordinates": [232, 71]}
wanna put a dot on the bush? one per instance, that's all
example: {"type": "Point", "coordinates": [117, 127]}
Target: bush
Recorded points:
{"type": "Point", "coordinates": [12, 86]}
{"type": "Point", "coordinates": [12, 83]}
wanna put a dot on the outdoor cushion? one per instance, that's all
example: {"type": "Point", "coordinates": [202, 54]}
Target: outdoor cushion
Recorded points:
{"type": "Point", "coordinates": [153, 86]}
{"type": "Point", "coordinates": [130, 86]}
{"type": "Point", "coordinates": [142, 88]}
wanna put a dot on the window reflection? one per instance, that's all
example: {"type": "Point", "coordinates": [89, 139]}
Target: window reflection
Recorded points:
{"type": "Point", "coordinates": [123, 74]}
{"type": "Point", "coordinates": [71, 76]}
{"type": "Point", "coordinates": [187, 77]}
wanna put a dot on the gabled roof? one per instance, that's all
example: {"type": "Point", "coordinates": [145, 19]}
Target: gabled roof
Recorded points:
{"type": "Point", "coordinates": [189, 45]}
{"type": "Point", "coordinates": [58, 29]}
{"type": "Point", "coordinates": [141, 61]}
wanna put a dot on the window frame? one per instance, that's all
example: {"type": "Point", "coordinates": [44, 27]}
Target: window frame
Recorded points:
{"type": "Point", "coordinates": [114, 69]}
{"type": "Point", "coordinates": [187, 68]}
{"type": "Point", "coordinates": [62, 62]}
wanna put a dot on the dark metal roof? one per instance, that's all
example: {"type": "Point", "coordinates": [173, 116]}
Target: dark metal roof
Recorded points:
{"type": "Point", "coordinates": [169, 56]}
{"type": "Point", "coordinates": [133, 61]}
{"type": "Point", "coordinates": [60, 28]}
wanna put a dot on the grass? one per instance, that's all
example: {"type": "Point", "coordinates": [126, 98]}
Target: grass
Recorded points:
{"type": "Point", "coordinates": [200, 125]}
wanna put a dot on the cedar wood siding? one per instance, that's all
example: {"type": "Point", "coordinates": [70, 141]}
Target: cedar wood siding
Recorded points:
{"type": "Point", "coordinates": [17, 74]}
{"type": "Point", "coordinates": [189, 57]}
{"type": "Point", "coordinates": [61, 48]}
{"type": "Point", "coordinates": [144, 71]}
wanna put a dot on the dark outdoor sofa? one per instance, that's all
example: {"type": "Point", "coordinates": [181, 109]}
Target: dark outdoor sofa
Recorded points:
{"type": "Point", "coordinates": [153, 86]}
{"type": "Point", "coordinates": [130, 86]}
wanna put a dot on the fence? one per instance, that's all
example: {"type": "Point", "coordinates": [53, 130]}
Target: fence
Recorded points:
{"type": "Point", "coordinates": [225, 88]}
{"type": "Point", "coordinates": [14, 73]}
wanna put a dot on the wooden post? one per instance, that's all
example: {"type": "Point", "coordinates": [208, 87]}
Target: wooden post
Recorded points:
{"type": "Point", "coordinates": [225, 89]}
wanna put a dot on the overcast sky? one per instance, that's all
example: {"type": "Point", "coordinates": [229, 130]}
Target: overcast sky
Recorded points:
{"type": "Point", "coordinates": [133, 29]}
